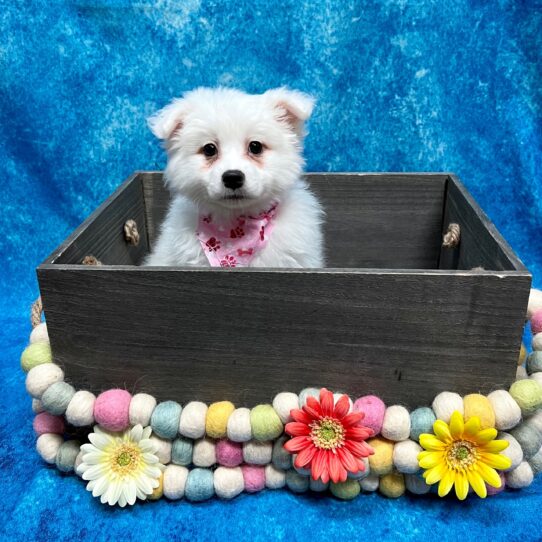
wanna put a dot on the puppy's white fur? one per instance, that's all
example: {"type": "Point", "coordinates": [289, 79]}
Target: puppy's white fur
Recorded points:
{"type": "Point", "coordinates": [230, 120]}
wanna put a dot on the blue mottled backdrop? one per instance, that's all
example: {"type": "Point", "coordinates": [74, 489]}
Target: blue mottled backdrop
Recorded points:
{"type": "Point", "coordinates": [401, 85]}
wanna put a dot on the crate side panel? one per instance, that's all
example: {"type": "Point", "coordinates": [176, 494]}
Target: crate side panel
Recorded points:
{"type": "Point", "coordinates": [103, 236]}
{"type": "Point", "coordinates": [244, 336]}
{"type": "Point", "coordinates": [372, 220]}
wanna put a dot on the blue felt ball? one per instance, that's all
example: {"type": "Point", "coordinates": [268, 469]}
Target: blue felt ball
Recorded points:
{"type": "Point", "coordinates": [421, 421]}
{"type": "Point", "coordinates": [534, 362]}
{"type": "Point", "coordinates": [199, 485]}
{"type": "Point", "coordinates": [529, 438]}
{"type": "Point", "coordinates": [165, 419]}
{"type": "Point", "coordinates": [181, 451]}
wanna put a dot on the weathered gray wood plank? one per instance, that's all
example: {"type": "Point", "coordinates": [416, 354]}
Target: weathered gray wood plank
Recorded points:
{"type": "Point", "coordinates": [245, 335]}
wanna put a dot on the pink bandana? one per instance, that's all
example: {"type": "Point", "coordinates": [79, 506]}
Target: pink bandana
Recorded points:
{"type": "Point", "coordinates": [235, 244]}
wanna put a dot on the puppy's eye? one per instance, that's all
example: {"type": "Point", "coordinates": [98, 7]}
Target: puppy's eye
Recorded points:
{"type": "Point", "coordinates": [255, 147]}
{"type": "Point", "coordinates": [209, 149]}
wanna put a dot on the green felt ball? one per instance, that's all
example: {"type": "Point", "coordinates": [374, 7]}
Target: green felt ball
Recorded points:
{"type": "Point", "coordinates": [345, 490]}
{"type": "Point", "coordinates": [528, 395]}
{"type": "Point", "coordinates": [66, 455]}
{"type": "Point", "coordinates": [36, 354]}
{"type": "Point", "coordinates": [265, 422]}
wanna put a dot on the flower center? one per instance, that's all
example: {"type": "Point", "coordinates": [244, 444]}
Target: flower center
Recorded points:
{"type": "Point", "coordinates": [461, 454]}
{"type": "Point", "coordinates": [327, 433]}
{"type": "Point", "coordinates": [125, 459]}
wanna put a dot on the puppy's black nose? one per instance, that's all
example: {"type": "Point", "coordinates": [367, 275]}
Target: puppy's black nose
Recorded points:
{"type": "Point", "coordinates": [233, 178]}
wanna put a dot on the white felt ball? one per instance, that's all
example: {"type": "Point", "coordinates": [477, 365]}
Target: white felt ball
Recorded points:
{"type": "Point", "coordinates": [537, 377]}
{"type": "Point", "coordinates": [521, 373]}
{"type": "Point", "coordinates": [37, 407]}
{"type": "Point", "coordinates": [239, 428]}
{"type": "Point", "coordinates": [535, 302]}
{"type": "Point", "coordinates": [163, 449]}
{"type": "Point", "coordinates": [536, 420]}
{"type": "Point", "coordinates": [48, 445]}
{"type": "Point", "coordinates": [274, 478]}
{"type": "Point", "coordinates": [78, 461]}
{"type": "Point", "coordinates": [507, 411]}
{"type": "Point", "coordinates": [204, 452]}
{"type": "Point", "coordinates": [396, 424]}
{"type": "Point", "coordinates": [192, 423]}
{"type": "Point", "coordinates": [39, 334]}
{"type": "Point", "coordinates": [513, 452]}
{"type": "Point", "coordinates": [141, 409]}
{"type": "Point", "coordinates": [361, 474]}
{"type": "Point", "coordinates": [337, 396]}
{"type": "Point", "coordinates": [283, 403]}
{"type": "Point", "coordinates": [40, 377]}
{"type": "Point", "coordinates": [370, 483]}
{"type": "Point", "coordinates": [80, 411]}
{"type": "Point", "coordinates": [228, 482]}
{"type": "Point", "coordinates": [416, 484]}
{"type": "Point", "coordinates": [405, 456]}
{"type": "Point", "coordinates": [537, 342]}
{"type": "Point", "coordinates": [445, 403]}
{"type": "Point", "coordinates": [522, 476]}
{"type": "Point", "coordinates": [257, 453]}
{"type": "Point", "coordinates": [318, 485]}
{"type": "Point", "coordinates": [308, 392]}
{"type": "Point", "coordinates": [175, 481]}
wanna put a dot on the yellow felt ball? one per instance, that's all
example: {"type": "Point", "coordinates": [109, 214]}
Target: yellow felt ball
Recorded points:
{"type": "Point", "coordinates": [522, 354]}
{"type": "Point", "coordinates": [36, 354]}
{"type": "Point", "coordinates": [392, 485]}
{"type": "Point", "coordinates": [381, 462]}
{"type": "Point", "coordinates": [216, 422]}
{"type": "Point", "coordinates": [157, 492]}
{"type": "Point", "coordinates": [480, 406]}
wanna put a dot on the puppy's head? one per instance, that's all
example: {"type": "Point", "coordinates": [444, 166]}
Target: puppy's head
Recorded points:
{"type": "Point", "coordinates": [230, 150]}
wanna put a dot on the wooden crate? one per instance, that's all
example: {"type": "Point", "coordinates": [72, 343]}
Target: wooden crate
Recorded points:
{"type": "Point", "coordinates": [393, 314]}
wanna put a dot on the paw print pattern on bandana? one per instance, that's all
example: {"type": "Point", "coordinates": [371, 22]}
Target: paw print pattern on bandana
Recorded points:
{"type": "Point", "coordinates": [235, 244]}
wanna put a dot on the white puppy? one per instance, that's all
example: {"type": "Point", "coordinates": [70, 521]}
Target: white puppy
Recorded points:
{"type": "Point", "coordinates": [234, 172]}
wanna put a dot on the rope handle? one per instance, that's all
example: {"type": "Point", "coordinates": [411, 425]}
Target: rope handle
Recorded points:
{"type": "Point", "coordinates": [452, 236]}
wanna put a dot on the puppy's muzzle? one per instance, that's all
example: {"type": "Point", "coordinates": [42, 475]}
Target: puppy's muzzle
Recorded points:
{"type": "Point", "coordinates": [233, 178]}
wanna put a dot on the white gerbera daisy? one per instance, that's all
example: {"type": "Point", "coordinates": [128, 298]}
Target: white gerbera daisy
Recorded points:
{"type": "Point", "coordinates": [121, 467]}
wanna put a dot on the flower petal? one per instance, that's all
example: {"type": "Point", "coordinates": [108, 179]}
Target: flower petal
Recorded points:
{"type": "Point", "coordinates": [319, 464]}
{"type": "Point", "coordinates": [314, 405]}
{"type": "Point", "coordinates": [485, 436]}
{"type": "Point", "coordinates": [495, 446]}
{"type": "Point", "coordinates": [358, 433]}
{"type": "Point", "coordinates": [488, 474]}
{"type": "Point", "coordinates": [300, 416]}
{"type": "Point", "coordinates": [359, 449]}
{"type": "Point", "coordinates": [472, 426]}
{"type": "Point", "coordinates": [352, 418]}
{"type": "Point", "coordinates": [304, 457]}
{"type": "Point", "coordinates": [456, 426]}
{"type": "Point", "coordinates": [342, 407]}
{"type": "Point", "coordinates": [432, 459]}
{"type": "Point", "coordinates": [297, 444]}
{"type": "Point", "coordinates": [434, 475]}
{"type": "Point", "coordinates": [335, 468]}
{"type": "Point", "coordinates": [326, 402]}
{"type": "Point", "coordinates": [446, 483]}
{"type": "Point", "coordinates": [442, 431]}
{"type": "Point", "coordinates": [477, 483]}
{"type": "Point", "coordinates": [496, 461]}
{"type": "Point", "coordinates": [430, 442]}
{"type": "Point", "coordinates": [347, 459]}
{"type": "Point", "coordinates": [136, 432]}
{"type": "Point", "coordinates": [297, 429]}
{"type": "Point", "coordinates": [461, 484]}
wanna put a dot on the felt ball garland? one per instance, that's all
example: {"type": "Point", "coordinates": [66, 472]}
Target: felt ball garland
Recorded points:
{"type": "Point", "coordinates": [222, 450]}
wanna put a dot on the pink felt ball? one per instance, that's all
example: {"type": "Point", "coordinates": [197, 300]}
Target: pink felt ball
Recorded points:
{"type": "Point", "coordinates": [494, 490]}
{"type": "Point", "coordinates": [374, 409]}
{"type": "Point", "coordinates": [47, 423]}
{"type": "Point", "coordinates": [228, 453]}
{"type": "Point", "coordinates": [536, 321]}
{"type": "Point", "coordinates": [112, 408]}
{"type": "Point", "coordinates": [254, 478]}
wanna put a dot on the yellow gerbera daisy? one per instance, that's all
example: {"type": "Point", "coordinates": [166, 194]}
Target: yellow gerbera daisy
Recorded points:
{"type": "Point", "coordinates": [121, 467]}
{"type": "Point", "coordinates": [462, 454]}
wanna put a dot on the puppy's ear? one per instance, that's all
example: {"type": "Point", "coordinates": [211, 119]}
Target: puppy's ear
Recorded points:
{"type": "Point", "coordinates": [292, 107]}
{"type": "Point", "coordinates": [167, 121]}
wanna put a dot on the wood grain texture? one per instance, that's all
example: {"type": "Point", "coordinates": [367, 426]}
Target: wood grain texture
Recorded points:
{"type": "Point", "coordinates": [481, 245]}
{"type": "Point", "coordinates": [102, 234]}
{"type": "Point", "coordinates": [244, 335]}
{"type": "Point", "coordinates": [382, 220]}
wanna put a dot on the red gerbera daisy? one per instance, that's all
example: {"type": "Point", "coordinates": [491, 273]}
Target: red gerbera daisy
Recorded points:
{"type": "Point", "coordinates": [328, 439]}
